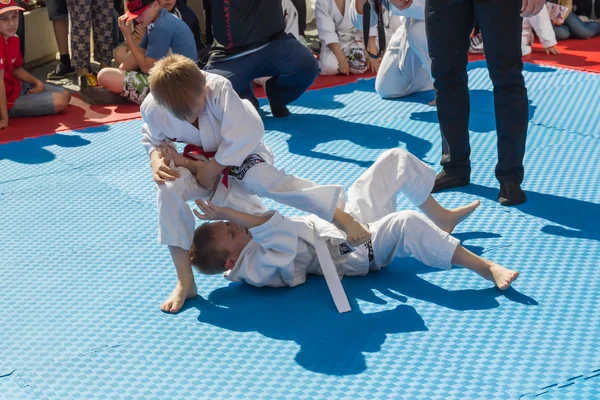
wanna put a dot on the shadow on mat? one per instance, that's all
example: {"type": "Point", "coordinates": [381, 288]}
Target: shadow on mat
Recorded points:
{"type": "Point", "coordinates": [481, 118]}
{"type": "Point", "coordinates": [580, 216]}
{"type": "Point", "coordinates": [309, 130]}
{"type": "Point", "coordinates": [32, 151]}
{"type": "Point", "coordinates": [333, 343]}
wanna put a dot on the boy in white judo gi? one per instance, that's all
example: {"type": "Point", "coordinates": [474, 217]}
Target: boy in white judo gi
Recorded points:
{"type": "Point", "coordinates": [231, 166]}
{"type": "Point", "coordinates": [542, 25]}
{"type": "Point", "coordinates": [342, 47]}
{"type": "Point", "coordinates": [406, 67]}
{"type": "Point", "coordinates": [271, 250]}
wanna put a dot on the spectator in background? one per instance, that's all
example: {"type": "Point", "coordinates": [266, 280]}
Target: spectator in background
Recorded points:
{"type": "Point", "coordinates": [86, 14]}
{"type": "Point", "coordinates": [573, 27]}
{"type": "Point", "coordinates": [342, 47]}
{"type": "Point", "coordinates": [542, 25]}
{"type": "Point", "coordinates": [449, 25]}
{"type": "Point", "coordinates": [163, 33]}
{"type": "Point", "coordinates": [59, 15]}
{"type": "Point", "coordinates": [250, 42]}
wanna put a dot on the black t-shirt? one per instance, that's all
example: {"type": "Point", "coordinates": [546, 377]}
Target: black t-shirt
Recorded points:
{"type": "Point", "coordinates": [242, 25]}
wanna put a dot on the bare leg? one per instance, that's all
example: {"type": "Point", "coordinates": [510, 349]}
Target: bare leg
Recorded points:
{"type": "Point", "coordinates": [61, 32]}
{"type": "Point", "coordinates": [446, 219]}
{"type": "Point", "coordinates": [500, 276]}
{"type": "Point", "coordinates": [356, 232]}
{"type": "Point", "coordinates": [186, 286]}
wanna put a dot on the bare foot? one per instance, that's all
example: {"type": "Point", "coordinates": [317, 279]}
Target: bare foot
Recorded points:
{"type": "Point", "coordinates": [357, 233]}
{"type": "Point", "coordinates": [502, 277]}
{"type": "Point", "coordinates": [432, 103]}
{"type": "Point", "coordinates": [179, 295]}
{"type": "Point", "coordinates": [456, 216]}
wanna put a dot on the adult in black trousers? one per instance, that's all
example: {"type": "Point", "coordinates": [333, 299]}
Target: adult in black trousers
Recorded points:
{"type": "Point", "coordinates": [449, 24]}
{"type": "Point", "coordinates": [250, 42]}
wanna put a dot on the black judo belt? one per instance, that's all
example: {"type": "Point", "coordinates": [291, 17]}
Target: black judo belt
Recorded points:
{"type": "Point", "coordinates": [378, 6]}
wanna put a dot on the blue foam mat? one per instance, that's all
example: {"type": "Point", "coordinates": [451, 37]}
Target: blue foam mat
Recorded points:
{"type": "Point", "coordinates": [82, 276]}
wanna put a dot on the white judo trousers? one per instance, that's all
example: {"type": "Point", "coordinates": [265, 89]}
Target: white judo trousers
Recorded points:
{"type": "Point", "coordinates": [372, 200]}
{"type": "Point", "coordinates": [255, 177]}
{"type": "Point", "coordinates": [406, 66]}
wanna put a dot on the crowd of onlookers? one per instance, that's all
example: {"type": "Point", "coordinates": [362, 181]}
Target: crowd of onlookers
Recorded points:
{"type": "Point", "coordinates": [249, 42]}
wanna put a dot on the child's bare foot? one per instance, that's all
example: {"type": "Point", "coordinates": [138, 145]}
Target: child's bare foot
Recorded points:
{"type": "Point", "coordinates": [456, 216]}
{"type": "Point", "coordinates": [356, 233]}
{"type": "Point", "coordinates": [502, 277]}
{"type": "Point", "coordinates": [178, 297]}
{"type": "Point", "coordinates": [432, 103]}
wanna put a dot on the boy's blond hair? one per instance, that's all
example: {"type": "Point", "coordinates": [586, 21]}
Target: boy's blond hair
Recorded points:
{"type": "Point", "coordinates": [174, 82]}
{"type": "Point", "coordinates": [205, 254]}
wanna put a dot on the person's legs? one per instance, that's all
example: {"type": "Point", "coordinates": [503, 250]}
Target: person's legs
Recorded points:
{"type": "Point", "coordinates": [449, 24]}
{"type": "Point", "coordinates": [580, 29]}
{"type": "Point", "coordinates": [408, 233]}
{"type": "Point", "coordinates": [51, 101]}
{"type": "Point", "coordinates": [561, 32]}
{"type": "Point", "coordinates": [526, 37]}
{"type": "Point", "coordinates": [112, 79]}
{"type": "Point", "coordinates": [293, 69]}
{"type": "Point", "coordinates": [102, 20]}
{"type": "Point", "coordinates": [328, 63]}
{"type": "Point", "coordinates": [501, 27]}
{"type": "Point", "coordinates": [59, 15]}
{"type": "Point", "coordinates": [499, 275]}
{"type": "Point", "coordinates": [413, 75]}
{"type": "Point", "coordinates": [240, 72]}
{"type": "Point", "coordinates": [373, 194]}
{"type": "Point", "coordinates": [176, 224]}
{"type": "Point", "coordinates": [81, 20]}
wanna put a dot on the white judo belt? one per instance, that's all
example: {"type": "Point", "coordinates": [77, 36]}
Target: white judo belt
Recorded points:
{"type": "Point", "coordinates": [331, 277]}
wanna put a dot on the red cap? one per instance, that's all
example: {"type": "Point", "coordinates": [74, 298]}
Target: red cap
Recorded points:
{"type": "Point", "coordinates": [134, 8]}
{"type": "Point", "coordinates": [9, 5]}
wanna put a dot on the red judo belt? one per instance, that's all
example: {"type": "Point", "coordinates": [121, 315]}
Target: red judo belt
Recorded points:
{"type": "Point", "coordinates": [192, 152]}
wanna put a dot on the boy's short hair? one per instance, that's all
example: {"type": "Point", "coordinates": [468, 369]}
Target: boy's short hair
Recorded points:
{"type": "Point", "coordinates": [174, 81]}
{"type": "Point", "coordinates": [205, 254]}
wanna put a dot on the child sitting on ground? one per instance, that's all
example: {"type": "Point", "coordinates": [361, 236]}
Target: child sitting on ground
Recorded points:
{"type": "Point", "coordinates": [542, 25]}
{"type": "Point", "coordinates": [342, 47]}
{"type": "Point", "coordinates": [271, 250]}
{"type": "Point", "coordinates": [225, 132]}
{"type": "Point", "coordinates": [21, 94]}
{"type": "Point", "coordinates": [164, 32]}
{"type": "Point", "coordinates": [177, 8]}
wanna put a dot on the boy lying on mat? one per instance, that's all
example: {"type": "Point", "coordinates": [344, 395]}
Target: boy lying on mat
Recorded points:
{"type": "Point", "coordinates": [228, 162]}
{"type": "Point", "coordinates": [272, 250]}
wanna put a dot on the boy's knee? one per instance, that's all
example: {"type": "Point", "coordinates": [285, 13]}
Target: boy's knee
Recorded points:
{"type": "Point", "coordinates": [61, 101]}
{"type": "Point", "coordinates": [330, 67]}
{"type": "Point", "coordinates": [112, 79]}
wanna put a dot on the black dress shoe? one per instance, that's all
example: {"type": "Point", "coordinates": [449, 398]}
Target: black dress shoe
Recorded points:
{"type": "Point", "coordinates": [511, 193]}
{"type": "Point", "coordinates": [444, 181]}
{"type": "Point", "coordinates": [280, 111]}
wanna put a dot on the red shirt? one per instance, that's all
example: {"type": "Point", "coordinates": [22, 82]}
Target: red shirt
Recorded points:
{"type": "Point", "coordinates": [10, 59]}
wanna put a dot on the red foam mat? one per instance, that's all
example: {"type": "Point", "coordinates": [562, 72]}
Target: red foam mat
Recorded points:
{"type": "Point", "coordinates": [579, 54]}
{"type": "Point", "coordinates": [81, 115]}
{"type": "Point", "coordinates": [583, 55]}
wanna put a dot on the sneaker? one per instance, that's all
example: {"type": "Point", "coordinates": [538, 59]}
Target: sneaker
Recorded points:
{"type": "Point", "coordinates": [61, 71]}
{"type": "Point", "coordinates": [511, 193]}
{"type": "Point", "coordinates": [445, 181]}
{"type": "Point", "coordinates": [476, 44]}
{"type": "Point", "coordinates": [89, 80]}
